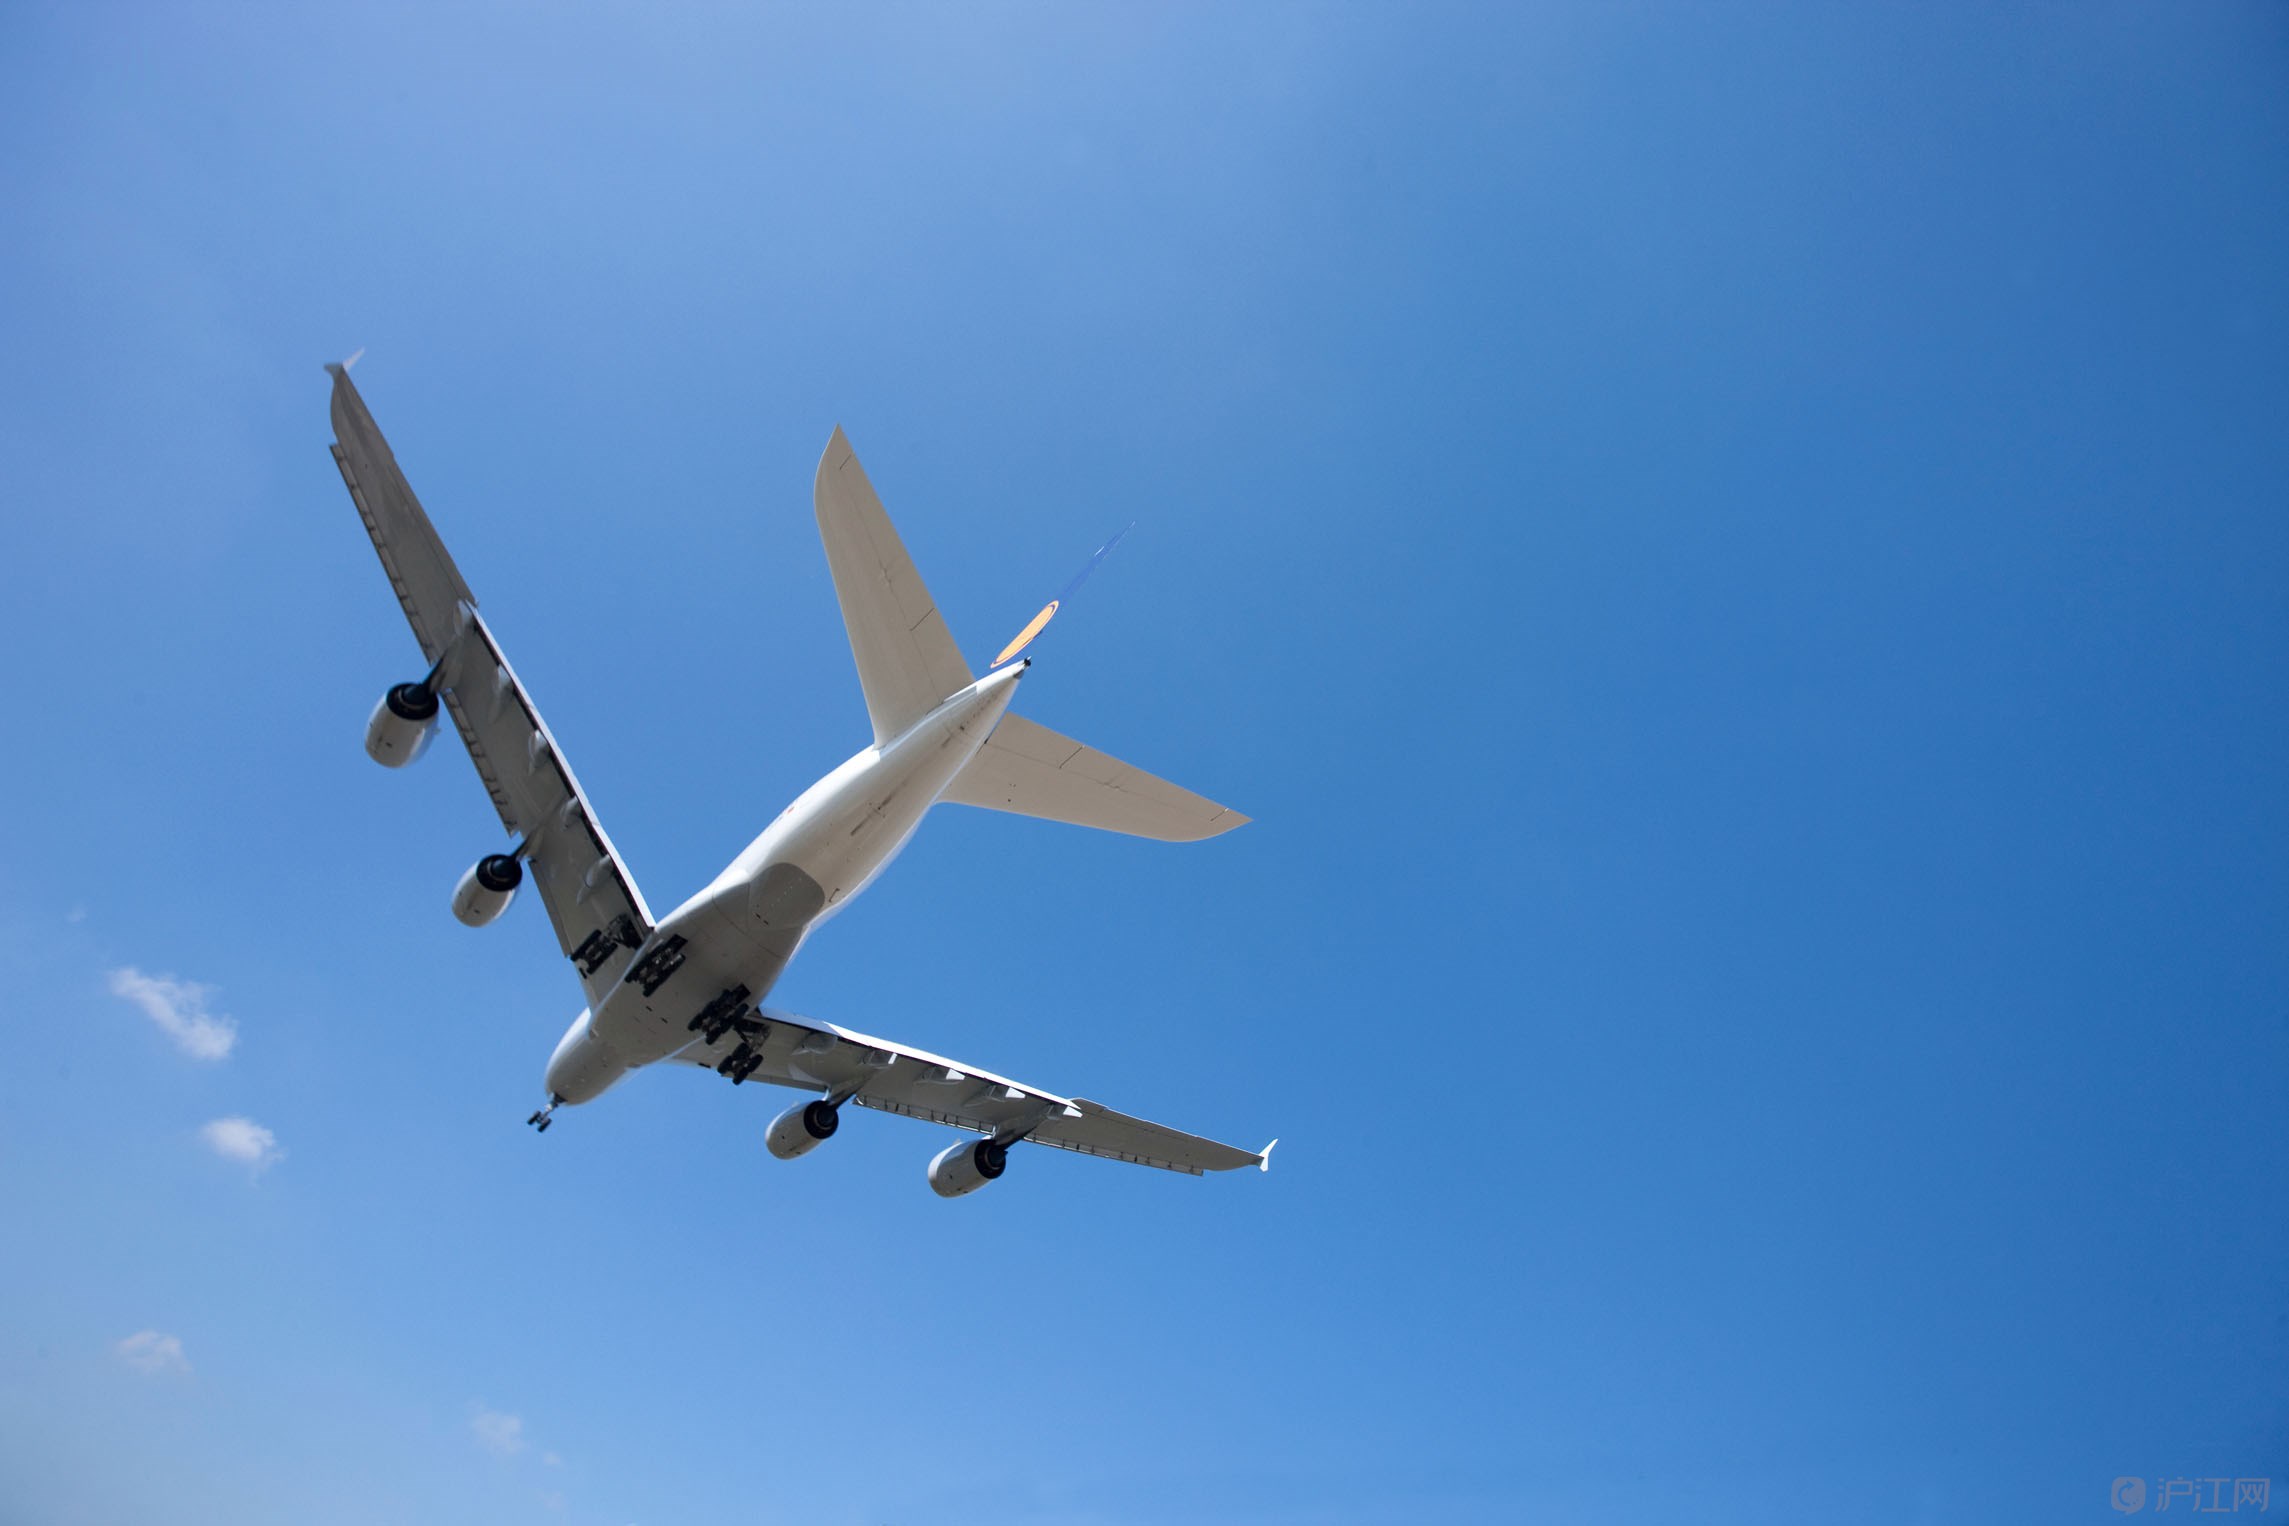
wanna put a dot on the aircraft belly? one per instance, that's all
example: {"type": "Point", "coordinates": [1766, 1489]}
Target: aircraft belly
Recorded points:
{"type": "Point", "coordinates": [730, 942]}
{"type": "Point", "coordinates": [723, 953]}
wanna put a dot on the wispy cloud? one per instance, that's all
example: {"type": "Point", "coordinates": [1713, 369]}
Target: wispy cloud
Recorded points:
{"type": "Point", "coordinates": [243, 1140]}
{"type": "Point", "coordinates": [501, 1434]}
{"type": "Point", "coordinates": [180, 1009]}
{"type": "Point", "coordinates": [149, 1351]}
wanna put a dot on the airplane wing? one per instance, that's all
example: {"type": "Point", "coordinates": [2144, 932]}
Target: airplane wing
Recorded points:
{"type": "Point", "coordinates": [836, 1062]}
{"type": "Point", "coordinates": [599, 916]}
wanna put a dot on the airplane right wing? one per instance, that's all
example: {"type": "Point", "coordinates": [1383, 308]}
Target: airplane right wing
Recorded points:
{"type": "Point", "coordinates": [889, 1077]}
{"type": "Point", "coordinates": [599, 916]}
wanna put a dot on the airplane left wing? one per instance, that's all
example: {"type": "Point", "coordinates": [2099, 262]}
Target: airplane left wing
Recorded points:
{"type": "Point", "coordinates": [843, 1065]}
{"type": "Point", "coordinates": [599, 916]}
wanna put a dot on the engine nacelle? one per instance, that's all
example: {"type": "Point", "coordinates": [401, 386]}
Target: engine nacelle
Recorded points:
{"type": "Point", "coordinates": [965, 1167]}
{"type": "Point", "coordinates": [402, 725]}
{"type": "Point", "coordinates": [801, 1129]}
{"type": "Point", "coordinates": [486, 890]}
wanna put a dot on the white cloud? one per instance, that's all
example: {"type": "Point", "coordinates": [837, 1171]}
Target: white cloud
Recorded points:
{"type": "Point", "coordinates": [243, 1140]}
{"type": "Point", "coordinates": [149, 1351]}
{"type": "Point", "coordinates": [500, 1434]}
{"type": "Point", "coordinates": [180, 1009]}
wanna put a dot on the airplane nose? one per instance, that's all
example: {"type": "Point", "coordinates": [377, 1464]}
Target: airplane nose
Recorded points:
{"type": "Point", "coordinates": [583, 1065]}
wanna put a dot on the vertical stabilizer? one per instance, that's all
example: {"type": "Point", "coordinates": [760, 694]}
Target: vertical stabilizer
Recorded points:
{"type": "Point", "coordinates": [907, 660]}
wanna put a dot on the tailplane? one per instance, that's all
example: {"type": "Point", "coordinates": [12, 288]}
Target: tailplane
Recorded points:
{"type": "Point", "coordinates": [908, 664]}
{"type": "Point", "coordinates": [1032, 771]}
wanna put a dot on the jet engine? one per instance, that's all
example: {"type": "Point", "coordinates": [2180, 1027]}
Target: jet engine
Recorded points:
{"type": "Point", "coordinates": [965, 1167]}
{"type": "Point", "coordinates": [801, 1129]}
{"type": "Point", "coordinates": [402, 725]}
{"type": "Point", "coordinates": [486, 890]}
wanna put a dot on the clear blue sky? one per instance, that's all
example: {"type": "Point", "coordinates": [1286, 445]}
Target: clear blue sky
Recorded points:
{"type": "Point", "coordinates": [1737, 556]}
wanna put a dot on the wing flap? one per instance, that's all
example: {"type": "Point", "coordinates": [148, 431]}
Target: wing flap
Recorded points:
{"type": "Point", "coordinates": [1029, 770]}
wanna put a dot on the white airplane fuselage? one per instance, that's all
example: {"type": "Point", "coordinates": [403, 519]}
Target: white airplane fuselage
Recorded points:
{"type": "Point", "coordinates": [809, 864]}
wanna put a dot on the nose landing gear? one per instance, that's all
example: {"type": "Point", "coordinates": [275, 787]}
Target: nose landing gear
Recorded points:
{"type": "Point", "coordinates": [540, 1120]}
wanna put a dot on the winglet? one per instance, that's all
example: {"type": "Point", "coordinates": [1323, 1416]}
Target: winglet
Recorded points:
{"type": "Point", "coordinates": [1264, 1158]}
{"type": "Point", "coordinates": [342, 367]}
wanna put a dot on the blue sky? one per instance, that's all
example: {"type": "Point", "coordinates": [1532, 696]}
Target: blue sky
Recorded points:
{"type": "Point", "coordinates": [1736, 556]}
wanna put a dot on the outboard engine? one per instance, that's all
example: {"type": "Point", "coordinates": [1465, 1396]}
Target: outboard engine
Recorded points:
{"type": "Point", "coordinates": [402, 725]}
{"type": "Point", "coordinates": [964, 1168]}
{"type": "Point", "coordinates": [486, 890]}
{"type": "Point", "coordinates": [801, 1129]}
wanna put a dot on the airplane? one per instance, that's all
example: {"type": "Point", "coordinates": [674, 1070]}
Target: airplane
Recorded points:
{"type": "Point", "coordinates": [687, 989]}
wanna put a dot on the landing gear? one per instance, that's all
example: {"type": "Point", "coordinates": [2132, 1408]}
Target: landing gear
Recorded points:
{"type": "Point", "coordinates": [540, 1120]}
{"type": "Point", "coordinates": [653, 970]}
{"type": "Point", "coordinates": [726, 1011]}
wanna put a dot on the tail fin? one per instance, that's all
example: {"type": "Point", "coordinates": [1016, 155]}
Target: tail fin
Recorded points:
{"type": "Point", "coordinates": [907, 660]}
{"type": "Point", "coordinates": [1032, 771]}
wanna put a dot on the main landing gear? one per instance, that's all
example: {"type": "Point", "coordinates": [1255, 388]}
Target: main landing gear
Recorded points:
{"type": "Point", "coordinates": [540, 1120]}
{"type": "Point", "coordinates": [725, 1011]}
{"type": "Point", "coordinates": [729, 1012]}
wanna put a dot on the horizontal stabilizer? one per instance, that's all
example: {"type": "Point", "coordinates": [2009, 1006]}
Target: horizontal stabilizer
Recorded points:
{"type": "Point", "coordinates": [1032, 771]}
